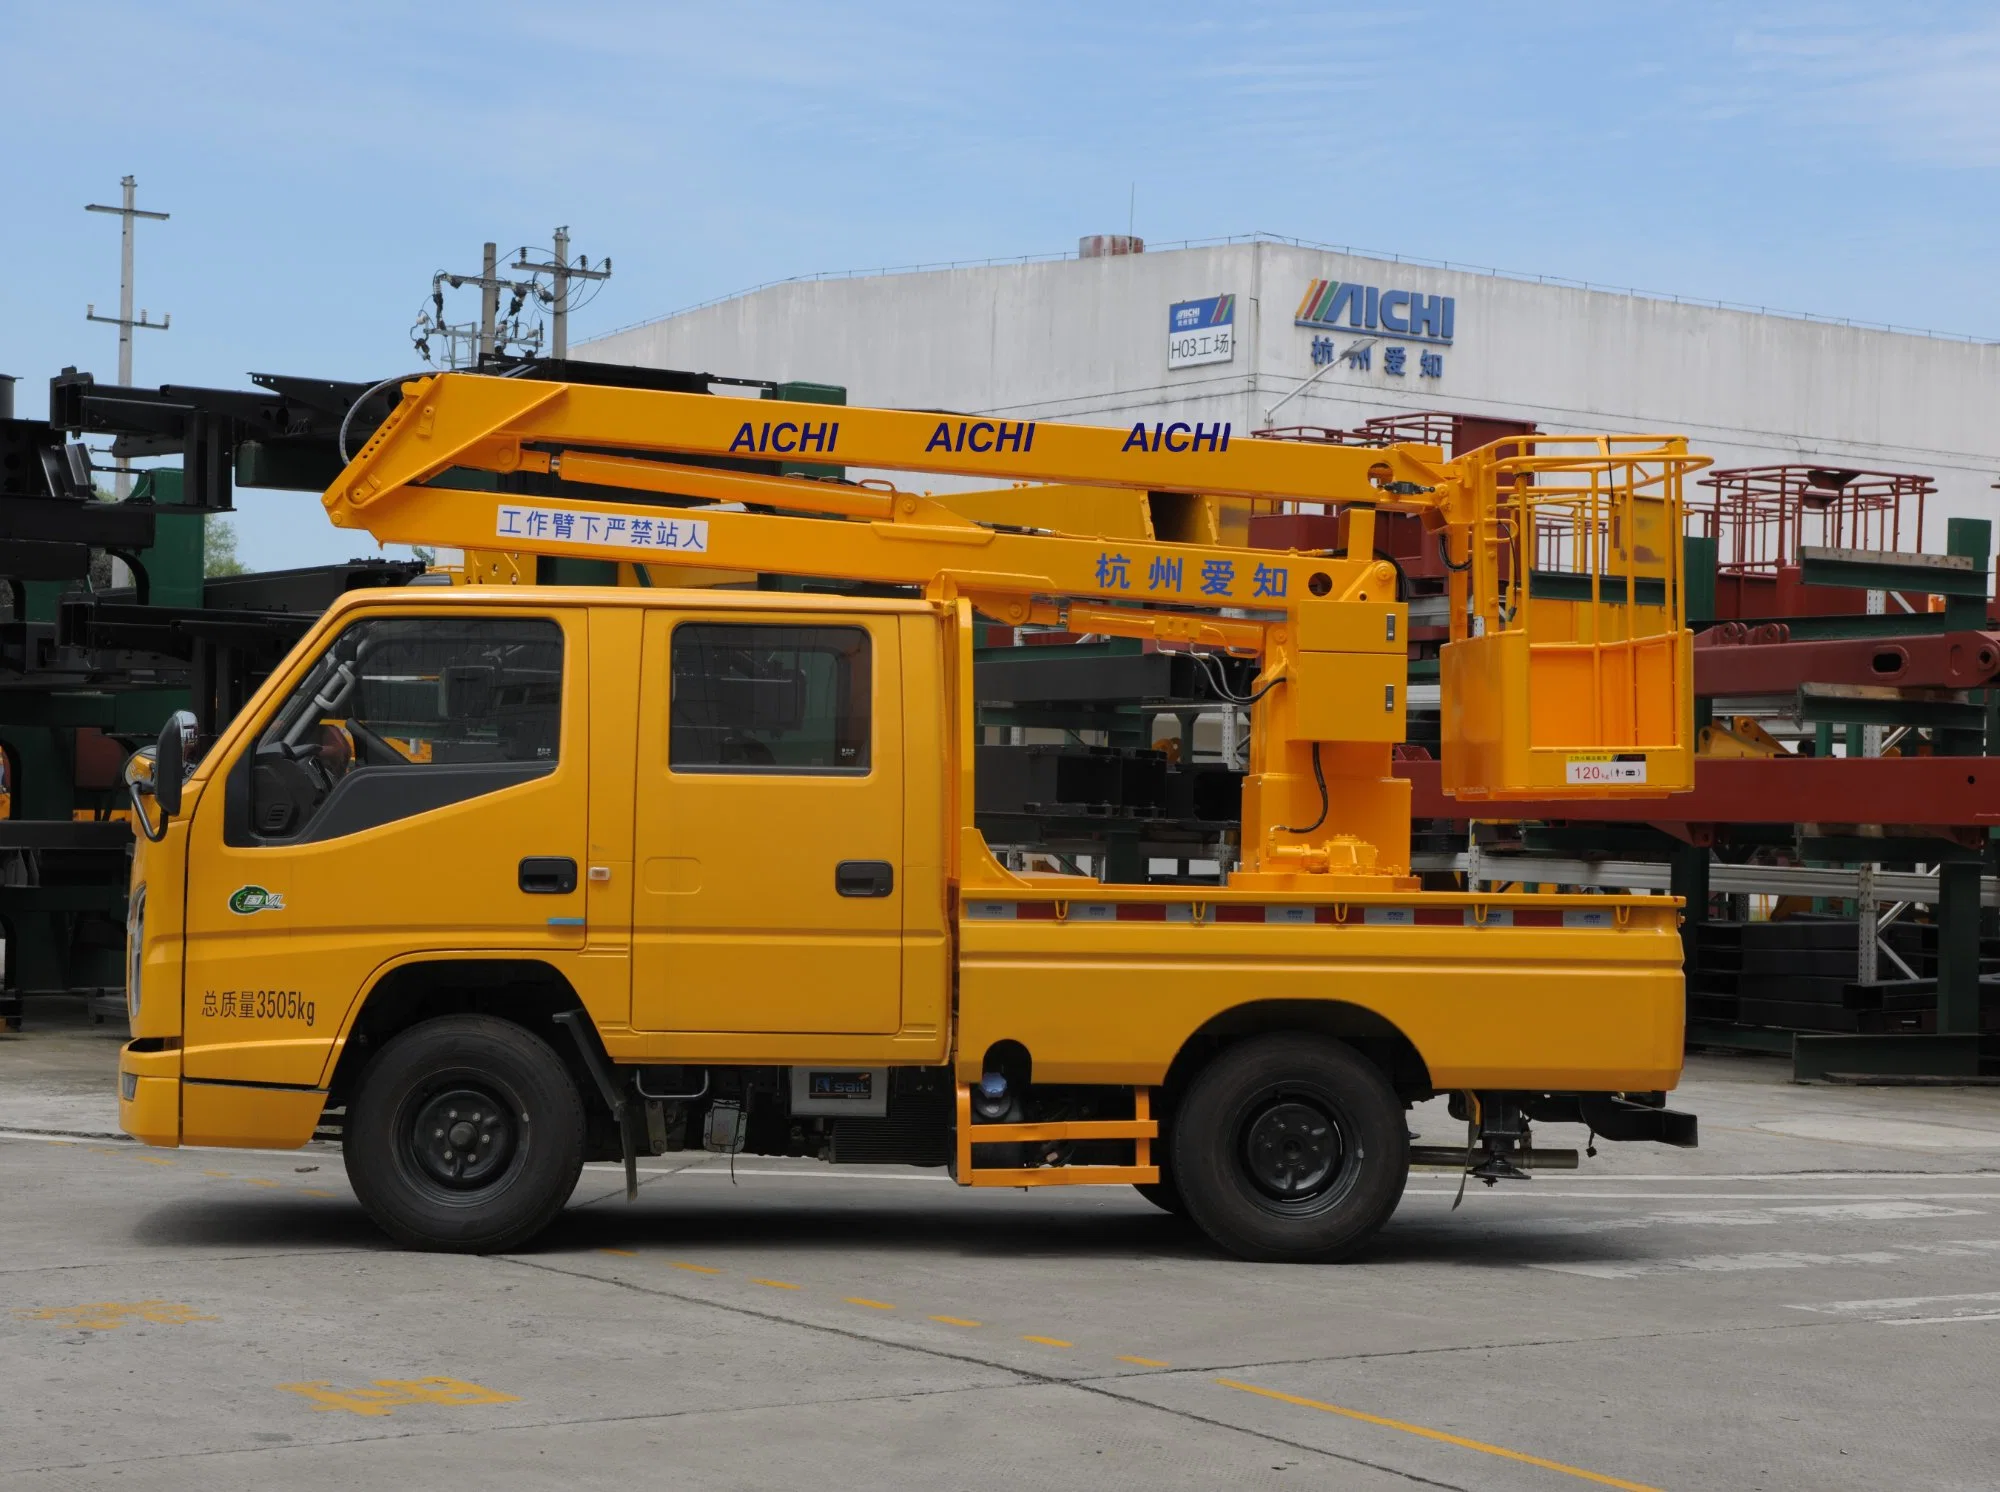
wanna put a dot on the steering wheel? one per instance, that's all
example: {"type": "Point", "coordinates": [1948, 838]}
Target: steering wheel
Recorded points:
{"type": "Point", "coordinates": [288, 783]}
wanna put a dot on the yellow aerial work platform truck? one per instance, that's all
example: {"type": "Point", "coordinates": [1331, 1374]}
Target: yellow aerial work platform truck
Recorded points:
{"type": "Point", "coordinates": [493, 878]}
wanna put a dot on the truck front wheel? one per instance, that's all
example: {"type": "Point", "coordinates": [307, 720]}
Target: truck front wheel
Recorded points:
{"type": "Point", "coordinates": [465, 1135]}
{"type": "Point", "coordinates": [1291, 1148]}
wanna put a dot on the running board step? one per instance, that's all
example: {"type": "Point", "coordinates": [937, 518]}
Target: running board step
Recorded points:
{"type": "Point", "coordinates": [1141, 1129]}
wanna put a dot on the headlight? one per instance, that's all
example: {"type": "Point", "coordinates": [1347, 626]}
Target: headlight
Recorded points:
{"type": "Point", "coordinates": [135, 944]}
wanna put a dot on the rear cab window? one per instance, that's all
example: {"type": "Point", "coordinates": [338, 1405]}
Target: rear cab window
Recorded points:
{"type": "Point", "coordinates": [757, 698]}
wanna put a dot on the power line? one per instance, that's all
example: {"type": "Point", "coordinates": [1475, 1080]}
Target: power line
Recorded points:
{"type": "Point", "coordinates": [550, 284]}
{"type": "Point", "coordinates": [466, 342]}
{"type": "Point", "coordinates": [561, 271]}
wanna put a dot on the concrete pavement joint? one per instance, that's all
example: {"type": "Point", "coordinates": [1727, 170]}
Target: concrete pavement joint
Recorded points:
{"type": "Point", "coordinates": [204, 1259]}
{"type": "Point", "coordinates": [1098, 1387]}
{"type": "Point", "coordinates": [429, 1433]}
{"type": "Point", "coordinates": [1319, 1358]}
{"type": "Point", "coordinates": [1023, 1376]}
{"type": "Point", "coordinates": [1441, 1436]}
{"type": "Point", "coordinates": [774, 1317]}
{"type": "Point", "coordinates": [1445, 1351]}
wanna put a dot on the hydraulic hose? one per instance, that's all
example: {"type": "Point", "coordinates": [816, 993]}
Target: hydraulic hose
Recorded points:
{"type": "Point", "coordinates": [1319, 777]}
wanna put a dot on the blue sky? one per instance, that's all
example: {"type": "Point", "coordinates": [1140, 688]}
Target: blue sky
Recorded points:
{"type": "Point", "coordinates": [321, 162]}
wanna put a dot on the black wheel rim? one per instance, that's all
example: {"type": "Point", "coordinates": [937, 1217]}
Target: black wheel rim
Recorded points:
{"type": "Point", "coordinates": [461, 1137]}
{"type": "Point", "coordinates": [1294, 1151]}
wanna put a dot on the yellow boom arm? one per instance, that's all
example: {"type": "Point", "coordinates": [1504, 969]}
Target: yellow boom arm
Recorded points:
{"type": "Point", "coordinates": [1566, 607]}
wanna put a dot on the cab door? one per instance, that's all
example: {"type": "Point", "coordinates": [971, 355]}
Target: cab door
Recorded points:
{"type": "Point", "coordinates": [769, 833]}
{"type": "Point", "coordinates": [420, 787]}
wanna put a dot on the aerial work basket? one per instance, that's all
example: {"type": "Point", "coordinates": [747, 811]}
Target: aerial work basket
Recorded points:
{"type": "Point", "coordinates": [1570, 669]}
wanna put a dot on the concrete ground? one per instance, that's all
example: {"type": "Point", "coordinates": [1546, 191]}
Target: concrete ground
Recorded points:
{"type": "Point", "coordinates": [1810, 1300]}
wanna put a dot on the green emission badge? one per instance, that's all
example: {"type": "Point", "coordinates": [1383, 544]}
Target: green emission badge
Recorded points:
{"type": "Point", "coordinates": [247, 899]}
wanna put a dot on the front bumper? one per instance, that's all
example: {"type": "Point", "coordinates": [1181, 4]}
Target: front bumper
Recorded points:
{"type": "Point", "coordinates": [149, 1094]}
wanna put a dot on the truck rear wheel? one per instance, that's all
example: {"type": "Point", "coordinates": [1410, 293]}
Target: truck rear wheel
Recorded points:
{"type": "Point", "coordinates": [465, 1135]}
{"type": "Point", "coordinates": [1291, 1149]}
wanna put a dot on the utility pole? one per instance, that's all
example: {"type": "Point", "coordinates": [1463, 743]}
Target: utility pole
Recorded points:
{"type": "Point", "coordinates": [493, 333]}
{"type": "Point", "coordinates": [489, 297]}
{"type": "Point", "coordinates": [560, 320]}
{"type": "Point", "coordinates": [123, 320]}
{"type": "Point", "coordinates": [561, 271]}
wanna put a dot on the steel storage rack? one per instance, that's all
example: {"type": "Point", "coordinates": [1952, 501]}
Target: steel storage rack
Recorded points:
{"type": "Point", "coordinates": [89, 670]}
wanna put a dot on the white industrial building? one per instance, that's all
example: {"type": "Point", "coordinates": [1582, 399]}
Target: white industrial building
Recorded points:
{"type": "Point", "coordinates": [1263, 332]}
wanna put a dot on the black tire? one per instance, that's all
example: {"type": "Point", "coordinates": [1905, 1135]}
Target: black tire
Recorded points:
{"type": "Point", "coordinates": [1291, 1149]}
{"type": "Point", "coordinates": [465, 1136]}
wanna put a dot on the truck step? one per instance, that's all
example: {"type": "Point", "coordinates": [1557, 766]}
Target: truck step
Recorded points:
{"type": "Point", "coordinates": [1141, 1129]}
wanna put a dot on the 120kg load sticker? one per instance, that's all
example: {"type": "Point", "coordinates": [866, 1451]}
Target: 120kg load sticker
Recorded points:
{"type": "Point", "coordinates": [1604, 768]}
{"type": "Point", "coordinates": [257, 1005]}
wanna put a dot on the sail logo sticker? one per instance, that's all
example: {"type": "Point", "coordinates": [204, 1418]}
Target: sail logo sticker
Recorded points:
{"type": "Point", "coordinates": [245, 900]}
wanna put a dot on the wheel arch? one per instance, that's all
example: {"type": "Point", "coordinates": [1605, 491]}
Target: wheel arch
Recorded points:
{"type": "Point", "coordinates": [529, 992]}
{"type": "Point", "coordinates": [1372, 1034]}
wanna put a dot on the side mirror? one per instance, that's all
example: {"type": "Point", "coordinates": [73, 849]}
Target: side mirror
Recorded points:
{"type": "Point", "coordinates": [158, 771]}
{"type": "Point", "coordinates": [170, 762]}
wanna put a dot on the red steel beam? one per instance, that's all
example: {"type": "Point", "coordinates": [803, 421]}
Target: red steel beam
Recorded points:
{"type": "Point", "coordinates": [1927, 790]}
{"type": "Point", "coordinates": [1949, 660]}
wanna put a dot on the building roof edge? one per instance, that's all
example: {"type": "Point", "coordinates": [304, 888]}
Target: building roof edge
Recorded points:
{"type": "Point", "coordinates": [1231, 240]}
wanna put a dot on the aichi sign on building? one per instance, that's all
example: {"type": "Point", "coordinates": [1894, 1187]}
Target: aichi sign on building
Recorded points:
{"type": "Point", "coordinates": [1393, 317]}
{"type": "Point", "coordinates": [1201, 331]}
{"type": "Point", "coordinates": [1347, 306]}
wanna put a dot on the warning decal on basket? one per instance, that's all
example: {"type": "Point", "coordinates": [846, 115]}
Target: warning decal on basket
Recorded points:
{"type": "Point", "coordinates": [1588, 768]}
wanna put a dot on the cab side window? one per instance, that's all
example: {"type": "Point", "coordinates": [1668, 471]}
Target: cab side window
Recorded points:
{"type": "Point", "coordinates": [405, 714]}
{"type": "Point", "coordinates": [770, 699]}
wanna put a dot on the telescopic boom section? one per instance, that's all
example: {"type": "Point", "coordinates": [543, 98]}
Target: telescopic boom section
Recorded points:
{"type": "Point", "coordinates": [1321, 807]}
{"type": "Point", "coordinates": [626, 440]}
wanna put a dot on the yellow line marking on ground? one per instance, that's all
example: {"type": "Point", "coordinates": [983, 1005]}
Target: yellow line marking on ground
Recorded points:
{"type": "Point", "coordinates": [1439, 1435]}
{"type": "Point", "coordinates": [774, 1284]}
{"type": "Point", "coordinates": [260, 1181]}
{"type": "Point", "coordinates": [957, 1321]}
{"type": "Point", "coordinates": [694, 1268]}
{"type": "Point", "coordinates": [386, 1395]}
{"type": "Point", "coordinates": [313, 1191]}
{"type": "Point", "coordinates": [1147, 1362]}
{"type": "Point", "coordinates": [156, 1160]}
{"type": "Point", "coordinates": [223, 1174]}
{"type": "Point", "coordinates": [621, 1253]}
{"type": "Point", "coordinates": [109, 1315]}
{"type": "Point", "coordinates": [1049, 1341]}
{"type": "Point", "coordinates": [105, 1150]}
{"type": "Point", "coordinates": [873, 1305]}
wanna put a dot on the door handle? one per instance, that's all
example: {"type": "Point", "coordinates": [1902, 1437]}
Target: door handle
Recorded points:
{"type": "Point", "coordinates": [548, 875]}
{"type": "Point", "coordinates": [864, 878]}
